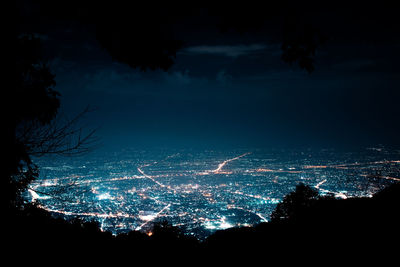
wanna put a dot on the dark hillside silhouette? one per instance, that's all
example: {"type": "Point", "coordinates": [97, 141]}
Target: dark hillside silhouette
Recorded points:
{"type": "Point", "coordinates": [325, 227]}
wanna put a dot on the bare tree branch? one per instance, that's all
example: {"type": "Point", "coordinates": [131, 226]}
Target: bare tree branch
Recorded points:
{"type": "Point", "coordinates": [62, 136]}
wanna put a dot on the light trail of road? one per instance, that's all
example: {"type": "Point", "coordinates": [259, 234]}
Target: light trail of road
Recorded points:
{"type": "Point", "coordinates": [280, 171]}
{"type": "Point", "coordinates": [250, 211]}
{"type": "Point", "coordinates": [344, 196]}
{"type": "Point", "coordinates": [54, 182]}
{"type": "Point", "coordinates": [237, 192]}
{"type": "Point", "coordinates": [153, 218]}
{"type": "Point", "coordinates": [350, 164]}
{"type": "Point", "coordinates": [336, 194]}
{"type": "Point", "coordinates": [218, 170]}
{"type": "Point", "coordinates": [317, 186]}
{"type": "Point", "coordinates": [156, 182]}
{"type": "Point", "coordinates": [152, 178]}
{"type": "Point", "coordinates": [149, 177]}
{"type": "Point", "coordinates": [89, 214]}
{"type": "Point", "coordinates": [35, 196]}
{"type": "Point", "coordinates": [221, 165]}
{"type": "Point", "coordinates": [382, 177]}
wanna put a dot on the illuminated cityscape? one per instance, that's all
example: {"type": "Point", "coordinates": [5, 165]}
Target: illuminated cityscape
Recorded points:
{"type": "Point", "coordinates": [201, 191]}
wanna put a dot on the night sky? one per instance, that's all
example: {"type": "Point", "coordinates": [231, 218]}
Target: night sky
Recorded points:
{"type": "Point", "coordinates": [231, 88]}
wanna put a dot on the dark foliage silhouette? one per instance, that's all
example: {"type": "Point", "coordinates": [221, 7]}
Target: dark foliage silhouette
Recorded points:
{"type": "Point", "coordinates": [135, 36]}
{"type": "Point", "coordinates": [135, 33]}
{"type": "Point", "coordinates": [300, 39]}
{"type": "Point", "coordinates": [144, 35]}
{"type": "Point", "coordinates": [32, 125]}
{"type": "Point", "coordinates": [351, 230]}
{"type": "Point", "coordinates": [300, 45]}
{"type": "Point", "coordinates": [33, 99]}
{"type": "Point", "coordinates": [300, 199]}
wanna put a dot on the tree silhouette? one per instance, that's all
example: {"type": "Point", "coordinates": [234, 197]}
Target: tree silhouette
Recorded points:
{"type": "Point", "coordinates": [143, 35]}
{"type": "Point", "coordinates": [300, 44]}
{"type": "Point", "coordinates": [32, 126]}
{"type": "Point", "coordinates": [294, 203]}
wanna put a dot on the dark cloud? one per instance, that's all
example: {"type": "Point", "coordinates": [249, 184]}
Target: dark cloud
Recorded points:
{"type": "Point", "coordinates": [226, 50]}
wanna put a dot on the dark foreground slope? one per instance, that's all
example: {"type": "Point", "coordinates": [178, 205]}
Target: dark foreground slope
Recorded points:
{"type": "Point", "coordinates": [358, 228]}
{"type": "Point", "coordinates": [328, 228]}
{"type": "Point", "coordinates": [36, 234]}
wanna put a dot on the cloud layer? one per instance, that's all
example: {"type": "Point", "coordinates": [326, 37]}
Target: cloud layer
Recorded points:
{"type": "Point", "coordinates": [226, 50]}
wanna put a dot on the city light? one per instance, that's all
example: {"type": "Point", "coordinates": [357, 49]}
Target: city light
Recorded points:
{"type": "Point", "coordinates": [203, 192]}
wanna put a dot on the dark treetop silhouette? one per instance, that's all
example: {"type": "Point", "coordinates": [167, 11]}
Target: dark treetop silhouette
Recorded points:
{"type": "Point", "coordinates": [32, 126]}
